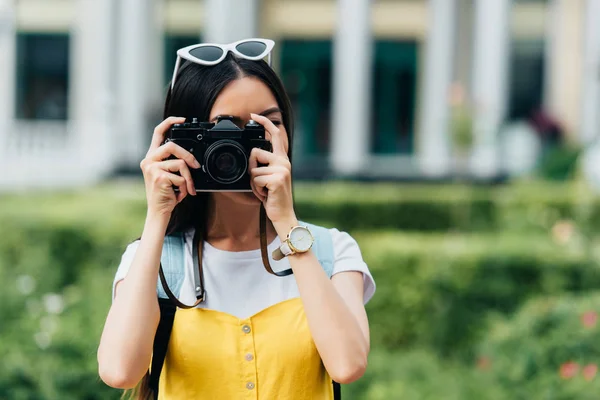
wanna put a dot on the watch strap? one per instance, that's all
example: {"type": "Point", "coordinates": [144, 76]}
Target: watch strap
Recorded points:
{"type": "Point", "coordinates": [282, 251]}
{"type": "Point", "coordinates": [278, 254]}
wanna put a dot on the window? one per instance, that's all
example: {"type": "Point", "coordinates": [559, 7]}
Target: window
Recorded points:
{"type": "Point", "coordinates": [306, 73]}
{"type": "Point", "coordinates": [526, 79]}
{"type": "Point", "coordinates": [42, 76]}
{"type": "Point", "coordinates": [393, 97]}
{"type": "Point", "coordinates": [306, 68]}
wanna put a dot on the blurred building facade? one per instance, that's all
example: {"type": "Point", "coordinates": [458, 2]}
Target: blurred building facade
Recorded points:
{"type": "Point", "coordinates": [381, 88]}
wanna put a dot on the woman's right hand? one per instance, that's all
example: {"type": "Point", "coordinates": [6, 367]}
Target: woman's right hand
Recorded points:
{"type": "Point", "coordinates": [159, 175]}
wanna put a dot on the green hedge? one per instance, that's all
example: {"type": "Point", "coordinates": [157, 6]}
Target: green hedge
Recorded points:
{"type": "Point", "coordinates": [547, 350]}
{"type": "Point", "coordinates": [529, 206]}
{"type": "Point", "coordinates": [437, 290]}
{"type": "Point", "coordinates": [419, 374]}
{"type": "Point", "coordinates": [526, 207]}
{"type": "Point", "coordinates": [437, 294]}
{"type": "Point", "coordinates": [550, 347]}
{"type": "Point", "coordinates": [433, 292]}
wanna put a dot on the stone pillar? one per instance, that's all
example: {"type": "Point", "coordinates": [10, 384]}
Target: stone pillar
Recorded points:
{"type": "Point", "coordinates": [230, 20]}
{"type": "Point", "coordinates": [564, 82]}
{"type": "Point", "coordinates": [434, 138]}
{"type": "Point", "coordinates": [8, 62]}
{"type": "Point", "coordinates": [140, 76]}
{"type": "Point", "coordinates": [490, 82]}
{"type": "Point", "coordinates": [352, 74]}
{"type": "Point", "coordinates": [93, 88]}
{"type": "Point", "coordinates": [463, 21]}
{"type": "Point", "coordinates": [590, 110]}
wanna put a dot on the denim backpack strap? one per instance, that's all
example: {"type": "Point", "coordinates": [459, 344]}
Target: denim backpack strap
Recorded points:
{"type": "Point", "coordinates": [173, 265]}
{"type": "Point", "coordinates": [322, 247]}
{"type": "Point", "coordinates": [172, 262]}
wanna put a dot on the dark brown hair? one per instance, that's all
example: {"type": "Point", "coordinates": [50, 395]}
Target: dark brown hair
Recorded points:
{"type": "Point", "coordinates": [196, 90]}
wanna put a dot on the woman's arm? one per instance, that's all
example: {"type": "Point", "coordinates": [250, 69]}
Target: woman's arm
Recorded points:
{"type": "Point", "coordinates": [335, 313]}
{"type": "Point", "coordinates": [127, 340]}
{"type": "Point", "coordinates": [334, 307]}
{"type": "Point", "coordinates": [125, 349]}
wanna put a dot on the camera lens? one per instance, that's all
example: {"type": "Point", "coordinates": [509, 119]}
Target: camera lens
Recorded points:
{"type": "Point", "coordinates": [226, 162]}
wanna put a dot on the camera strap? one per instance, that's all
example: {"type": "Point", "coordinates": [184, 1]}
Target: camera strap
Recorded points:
{"type": "Point", "coordinates": [263, 246]}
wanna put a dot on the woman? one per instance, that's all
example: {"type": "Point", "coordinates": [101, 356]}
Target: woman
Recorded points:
{"type": "Point", "coordinates": [255, 335]}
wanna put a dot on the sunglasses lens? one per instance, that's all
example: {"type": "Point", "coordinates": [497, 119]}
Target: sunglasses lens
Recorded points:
{"type": "Point", "coordinates": [251, 49]}
{"type": "Point", "coordinates": [207, 53]}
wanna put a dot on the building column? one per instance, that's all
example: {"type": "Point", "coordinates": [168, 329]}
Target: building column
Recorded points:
{"type": "Point", "coordinates": [93, 89]}
{"type": "Point", "coordinates": [590, 77]}
{"type": "Point", "coordinates": [564, 62]}
{"type": "Point", "coordinates": [434, 138]}
{"type": "Point", "coordinates": [352, 75]}
{"type": "Point", "coordinates": [140, 76]}
{"type": "Point", "coordinates": [227, 21]}
{"type": "Point", "coordinates": [8, 68]}
{"type": "Point", "coordinates": [490, 82]}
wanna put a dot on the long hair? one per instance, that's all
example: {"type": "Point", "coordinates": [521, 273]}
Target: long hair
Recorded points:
{"type": "Point", "coordinates": [193, 96]}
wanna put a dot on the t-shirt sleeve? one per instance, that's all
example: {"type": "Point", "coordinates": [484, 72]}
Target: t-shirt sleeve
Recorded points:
{"type": "Point", "coordinates": [126, 260]}
{"type": "Point", "coordinates": [349, 258]}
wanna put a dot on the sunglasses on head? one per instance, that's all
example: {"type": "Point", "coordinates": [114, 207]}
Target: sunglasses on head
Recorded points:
{"type": "Point", "coordinates": [212, 54]}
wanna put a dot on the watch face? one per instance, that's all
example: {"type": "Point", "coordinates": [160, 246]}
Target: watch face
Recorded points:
{"type": "Point", "coordinates": [301, 239]}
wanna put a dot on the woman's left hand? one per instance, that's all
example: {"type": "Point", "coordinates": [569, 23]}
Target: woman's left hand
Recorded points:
{"type": "Point", "coordinates": [272, 183]}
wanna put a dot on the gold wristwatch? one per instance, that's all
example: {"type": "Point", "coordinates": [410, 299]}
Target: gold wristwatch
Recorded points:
{"type": "Point", "coordinates": [299, 240]}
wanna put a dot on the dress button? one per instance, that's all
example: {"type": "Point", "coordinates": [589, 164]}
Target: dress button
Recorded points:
{"type": "Point", "coordinates": [249, 357]}
{"type": "Point", "coordinates": [249, 385]}
{"type": "Point", "coordinates": [246, 329]}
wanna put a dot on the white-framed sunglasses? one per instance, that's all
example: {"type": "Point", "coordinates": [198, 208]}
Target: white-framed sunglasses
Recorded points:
{"type": "Point", "coordinates": [212, 53]}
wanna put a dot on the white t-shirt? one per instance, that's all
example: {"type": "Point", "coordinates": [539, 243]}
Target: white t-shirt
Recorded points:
{"type": "Point", "coordinates": [237, 282]}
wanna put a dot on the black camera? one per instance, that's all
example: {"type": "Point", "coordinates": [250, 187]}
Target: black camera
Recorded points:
{"type": "Point", "coordinates": [222, 149]}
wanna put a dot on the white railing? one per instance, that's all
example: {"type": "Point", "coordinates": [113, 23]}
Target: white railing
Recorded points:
{"type": "Point", "coordinates": [38, 154]}
{"type": "Point", "coordinates": [37, 139]}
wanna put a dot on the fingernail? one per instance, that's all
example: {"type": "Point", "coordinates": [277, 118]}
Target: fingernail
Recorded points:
{"type": "Point", "coordinates": [196, 164]}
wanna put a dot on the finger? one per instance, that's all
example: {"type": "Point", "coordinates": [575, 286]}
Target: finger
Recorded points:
{"type": "Point", "coordinates": [252, 162]}
{"type": "Point", "coordinates": [260, 193]}
{"type": "Point", "coordinates": [181, 167]}
{"type": "Point", "coordinates": [177, 181]}
{"type": "Point", "coordinates": [158, 137]}
{"type": "Point", "coordinates": [180, 183]}
{"type": "Point", "coordinates": [275, 132]}
{"type": "Point", "coordinates": [172, 149]}
{"type": "Point", "coordinates": [258, 171]}
{"type": "Point", "coordinates": [260, 156]}
{"type": "Point", "coordinates": [262, 183]}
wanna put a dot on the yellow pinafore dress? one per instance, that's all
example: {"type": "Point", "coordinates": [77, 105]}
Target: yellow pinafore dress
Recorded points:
{"type": "Point", "coordinates": [270, 355]}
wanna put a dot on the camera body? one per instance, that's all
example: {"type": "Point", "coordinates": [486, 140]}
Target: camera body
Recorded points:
{"type": "Point", "coordinates": [222, 149]}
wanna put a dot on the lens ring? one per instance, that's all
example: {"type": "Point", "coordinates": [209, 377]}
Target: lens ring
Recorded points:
{"type": "Point", "coordinates": [236, 151]}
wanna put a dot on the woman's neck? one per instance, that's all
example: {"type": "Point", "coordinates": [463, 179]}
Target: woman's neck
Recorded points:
{"type": "Point", "coordinates": [233, 225]}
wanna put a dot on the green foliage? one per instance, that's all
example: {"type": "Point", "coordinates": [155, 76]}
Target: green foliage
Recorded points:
{"type": "Point", "coordinates": [525, 207]}
{"type": "Point", "coordinates": [418, 374]}
{"type": "Point", "coordinates": [52, 308]}
{"type": "Point", "coordinates": [547, 350]}
{"type": "Point", "coordinates": [559, 163]}
{"type": "Point", "coordinates": [549, 347]}
{"type": "Point", "coordinates": [438, 291]}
